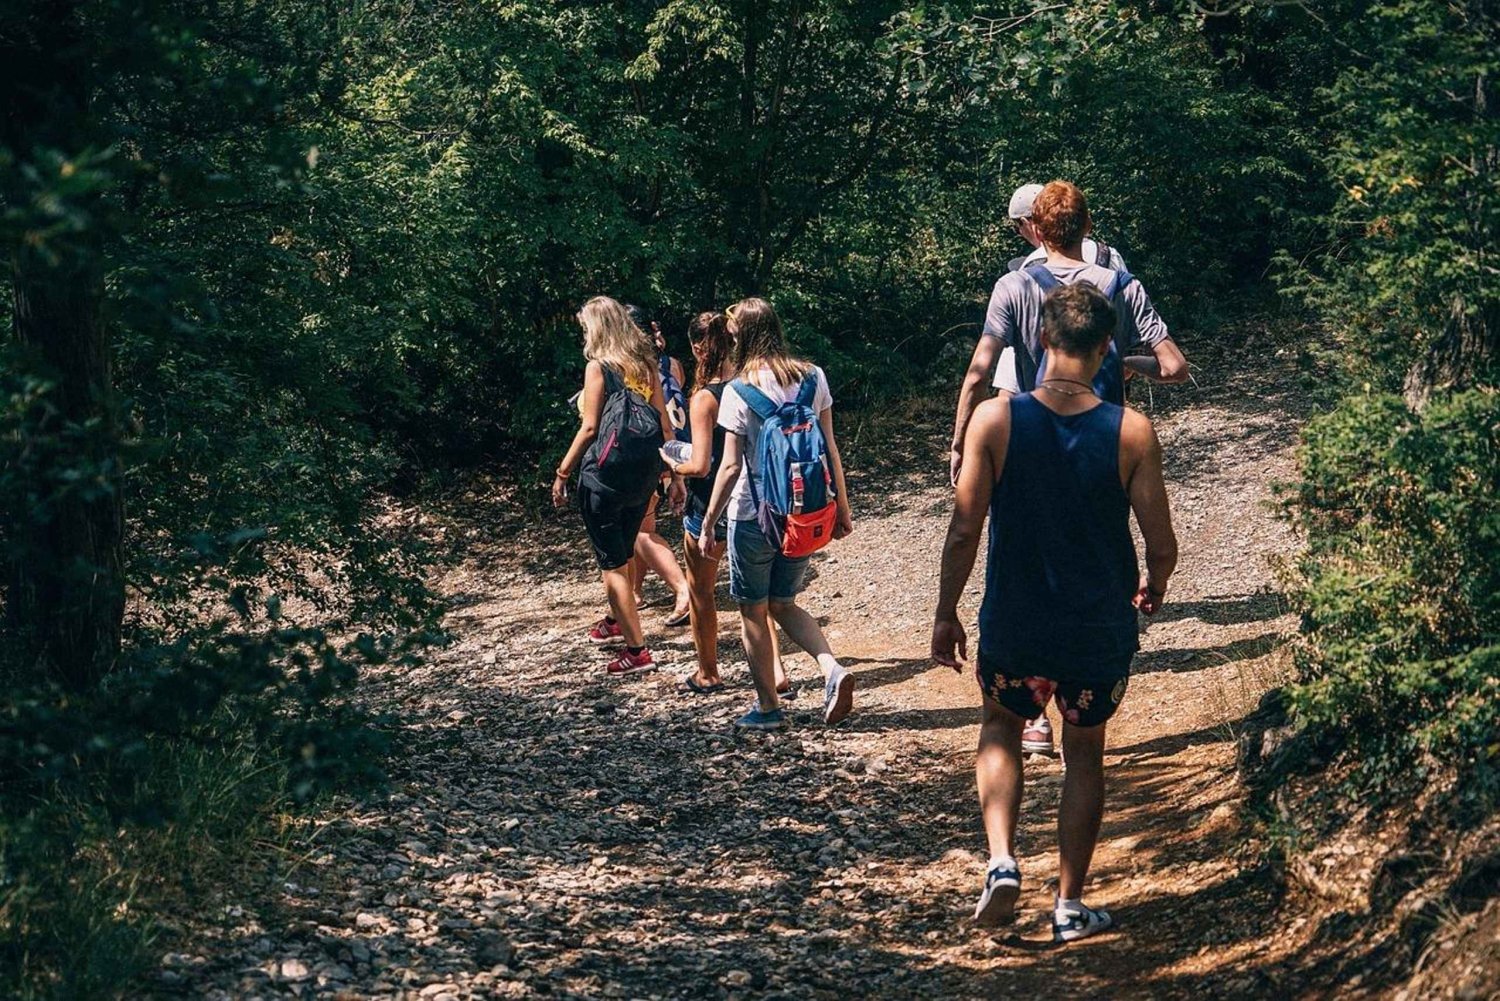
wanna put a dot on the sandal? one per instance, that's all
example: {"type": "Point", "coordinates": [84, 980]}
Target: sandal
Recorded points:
{"type": "Point", "coordinates": [789, 692]}
{"type": "Point", "coordinates": [681, 618]}
{"type": "Point", "coordinates": [692, 686]}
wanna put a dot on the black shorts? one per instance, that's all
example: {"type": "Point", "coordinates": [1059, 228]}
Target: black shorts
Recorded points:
{"type": "Point", "coordinates": [612, 528]}
{"type": "Point", "coordinates": [1086, 699]}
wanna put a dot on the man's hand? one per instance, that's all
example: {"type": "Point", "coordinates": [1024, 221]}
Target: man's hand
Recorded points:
{"type": "Point", "coordinates": [948, 636]}
{"type": "Point", "coordinates": [843, 523]}
{"type": "Point", "coordinates": [1147, 598]}
{"type": "Point", "coordinates": [955, 463]}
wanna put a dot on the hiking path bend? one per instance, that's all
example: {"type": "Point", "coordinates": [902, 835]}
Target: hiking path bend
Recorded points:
{"type": "Point", "coordinates": [552, 833]}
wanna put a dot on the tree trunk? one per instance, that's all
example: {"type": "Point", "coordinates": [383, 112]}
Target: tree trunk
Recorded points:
{"type": "Point", "coordinates": [1464, 355]}
{"type": "Point", "coordinates": [65, 600]}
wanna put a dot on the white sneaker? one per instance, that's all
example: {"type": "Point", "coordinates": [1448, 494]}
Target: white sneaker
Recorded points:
{"type": "Point", "coordinates": [1073, 922]}
{"type": "Point", "coordinates": [1002, 888]}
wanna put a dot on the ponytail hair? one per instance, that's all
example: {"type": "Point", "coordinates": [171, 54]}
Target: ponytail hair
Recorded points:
{"type": "Point", "coordinates": [711, 330]}
{"type": "Point", "coordinates": [762, 343]}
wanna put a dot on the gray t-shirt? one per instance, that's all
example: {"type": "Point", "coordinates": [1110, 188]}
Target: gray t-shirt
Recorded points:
{"type": "Point", "coordinates": [1015, 313]}
{"type": "Point", "coordinates": [736, 417]}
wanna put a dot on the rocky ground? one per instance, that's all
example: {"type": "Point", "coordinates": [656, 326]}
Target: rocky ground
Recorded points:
{"type": "Point", "coordinates": [553, 834]}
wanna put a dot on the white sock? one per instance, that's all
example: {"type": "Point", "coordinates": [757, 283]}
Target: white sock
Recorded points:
{"type": "Point", "coordinates": [1068, 908]}
{"type": "Point", "coordinates": [1000, 862]}
{"type": "Point", "coordinates": [827, 664]}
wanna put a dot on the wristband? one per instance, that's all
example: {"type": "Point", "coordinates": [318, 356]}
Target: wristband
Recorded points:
{"type": "Point", "coordinates": [561, 475]}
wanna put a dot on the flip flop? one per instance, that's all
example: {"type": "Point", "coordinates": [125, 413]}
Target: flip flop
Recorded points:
{"type": "Point", "coordinates": [690, 686]}
{"type": "Point", "coordinates": [789, 692]}
{"type": "Point", "coordinates": [673, 621]}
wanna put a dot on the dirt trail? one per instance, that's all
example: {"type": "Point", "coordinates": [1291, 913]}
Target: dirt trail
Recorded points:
{"type": "Point", "coordinates": [552, 834]}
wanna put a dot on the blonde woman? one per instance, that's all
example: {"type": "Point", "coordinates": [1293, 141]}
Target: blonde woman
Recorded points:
{"type": "Point", "coordinates": [616, 476]}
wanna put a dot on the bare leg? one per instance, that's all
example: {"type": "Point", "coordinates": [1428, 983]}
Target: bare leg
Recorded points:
{"type": "Point", "coordinates": [1082, 807]}
{"type": "Point", "coordinates": [997, 772]}
{"type": "Point", "coordinates": [653, 552]}
{"type": "Point", "coordinates": [622, 604]}
{"type": "Point", "coordinates": [804, 631]}
{"type": "Point", "coordinates": [637, 568]}
{"type": "Point", "coordinates": [701, 575]}
{"type": "Point", "coordinates": [756, 622]}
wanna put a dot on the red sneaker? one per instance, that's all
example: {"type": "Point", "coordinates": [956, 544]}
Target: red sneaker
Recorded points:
{"type": "Point", "coordinates": [630, 663]}
{"type": "Point", "coordinates": [605, 631]}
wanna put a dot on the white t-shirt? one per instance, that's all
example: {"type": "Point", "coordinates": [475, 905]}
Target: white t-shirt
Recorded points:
{"type": "Point", "coordinates": [736, 417]}
{"type": "Point", "coordinates": [1090, 253]}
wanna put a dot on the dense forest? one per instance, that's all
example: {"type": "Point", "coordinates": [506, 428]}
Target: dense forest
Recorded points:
{"type": "Point", "coordinates": [274, 265]}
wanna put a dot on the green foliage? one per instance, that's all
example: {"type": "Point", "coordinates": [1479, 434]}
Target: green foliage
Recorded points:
{"type": "Point", "coordinates": [1399, 589]}
{"type": "Point", "coordinates": [1405, 255]}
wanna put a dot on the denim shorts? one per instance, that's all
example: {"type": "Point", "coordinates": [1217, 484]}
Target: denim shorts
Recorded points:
{"type": "Point", "coordinates": [692, 527]}
{"type": "Point", "coordinates": [757, 570]}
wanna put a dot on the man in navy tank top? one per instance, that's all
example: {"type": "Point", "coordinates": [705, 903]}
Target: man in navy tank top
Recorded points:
{"type": "Point", "coordinates": [1058, 471]}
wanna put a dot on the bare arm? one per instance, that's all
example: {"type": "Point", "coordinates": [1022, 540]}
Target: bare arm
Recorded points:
{"type": "Point", "coordinates": [845, 523]}
{"type": "Point", "coordinates": [1165, 364]}
{"type": "Point", "coordinates": [969, 397]}
{"type": "Point", "coordinates": [984, 454]}
{"type": "Point", "coordinates": [588, 428]}
{"type": "Point", "coordinates": [703, 414]}
{"type": "Point", "coordinates": [1146, 487]}
{"type": "Point", "coordinates": [729, 473]}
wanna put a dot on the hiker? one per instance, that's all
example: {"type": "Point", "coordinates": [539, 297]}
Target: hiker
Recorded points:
{"type": "Point", "coordinates": [651, 550]}
{"type": "Point", "coordinates": [713, 366]}
{"type": "Point", "coordinates": [785, 493]}
{"type": "Point", "coordinates": [1058, 471]}
{"type": "Point", "coordinates": [1057, 216]}
{"type": "Point", "coordinates": [1021, 202]}
{"type": "Point", "coordinates": [622, 417]}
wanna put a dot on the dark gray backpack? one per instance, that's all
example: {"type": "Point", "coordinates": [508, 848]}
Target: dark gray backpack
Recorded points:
{"type": "Point", "coordinates": [623, 462]}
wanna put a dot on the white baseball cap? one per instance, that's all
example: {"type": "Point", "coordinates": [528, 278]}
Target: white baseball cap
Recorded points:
{"type": "Point", "coordinates": [1020, 202]}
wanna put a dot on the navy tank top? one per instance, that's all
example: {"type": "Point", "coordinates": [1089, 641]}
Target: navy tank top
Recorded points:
{"type": "Point", "coordinates": [1062, 570]}
{"type": "Point", "coordinates": [701, 489]}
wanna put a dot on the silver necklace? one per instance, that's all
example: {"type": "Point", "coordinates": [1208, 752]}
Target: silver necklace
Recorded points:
{"type": "Point", "coordinates": [1087, 390]}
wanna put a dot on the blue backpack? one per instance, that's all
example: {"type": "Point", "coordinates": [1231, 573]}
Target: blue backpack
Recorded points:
{"type": "Point", "coordinates": [1109, 384]}
{"type": "Point", "coordinates": [794, 503]}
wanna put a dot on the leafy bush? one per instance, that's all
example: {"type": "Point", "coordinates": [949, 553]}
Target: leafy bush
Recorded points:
{"type": "Point", "coordinates": [1399, 588]}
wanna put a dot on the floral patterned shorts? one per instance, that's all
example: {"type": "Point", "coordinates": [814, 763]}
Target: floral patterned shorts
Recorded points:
{"type": "Point", "coordinates": [1087, 702]}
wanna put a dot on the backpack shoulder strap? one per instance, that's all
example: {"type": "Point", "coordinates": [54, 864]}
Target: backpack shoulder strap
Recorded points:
{"type": "Point", "coordinates": [613, 382]}
{"type": "Point", "coordinates": [1043, 276]}
{"type": "Point", "coordinates": [754, 399]}
{"type": "Point", "coordinates": [808, 391]}
{"type": "Point", "coordinates": [1101, 253]}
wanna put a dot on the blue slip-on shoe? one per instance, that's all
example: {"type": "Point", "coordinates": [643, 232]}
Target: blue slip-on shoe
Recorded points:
{"type": "Point", "coordinates": [838, 695]}
{"type": "Point", "coordinates": [757, 720]}
{"type": "Point", "coordinates": [1002, 888]}
{"type": "Point", "coordinates": [1071, 923]}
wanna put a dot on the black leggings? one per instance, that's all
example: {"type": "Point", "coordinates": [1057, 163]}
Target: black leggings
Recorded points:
{"type": "Point", "coordinates": [612, 527]}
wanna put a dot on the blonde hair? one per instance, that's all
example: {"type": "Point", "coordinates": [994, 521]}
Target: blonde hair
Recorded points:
{"type": "Point", "coordinates": [613, 340]}
{"type": "Point", "coordinates": [762, 343]}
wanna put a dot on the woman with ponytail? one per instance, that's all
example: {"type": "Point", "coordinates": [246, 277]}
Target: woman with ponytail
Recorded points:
{"type": "Point", "coordinates": [713, 350]}
{"type": "Point", "coordinates": [762, 578]}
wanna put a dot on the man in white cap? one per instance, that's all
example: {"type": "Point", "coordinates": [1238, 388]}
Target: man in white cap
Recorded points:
{"type": "Point", "coordinates": [1021, 202]}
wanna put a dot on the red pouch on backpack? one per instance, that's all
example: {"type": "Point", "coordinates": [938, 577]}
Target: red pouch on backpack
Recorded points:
{"type": "Point", "coordinates": [808, 532]}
